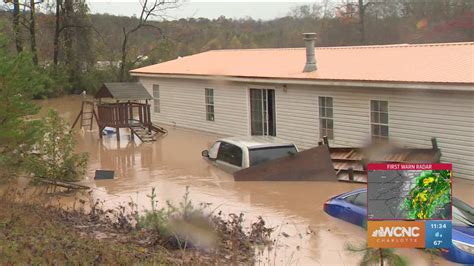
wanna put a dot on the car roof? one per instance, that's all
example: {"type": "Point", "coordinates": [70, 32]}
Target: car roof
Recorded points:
{"type": "Point", "coordinates": [253, 142]}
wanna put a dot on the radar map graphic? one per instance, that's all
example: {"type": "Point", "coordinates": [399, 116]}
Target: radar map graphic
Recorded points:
{"type": "Point", "coordinates": [409, 194]}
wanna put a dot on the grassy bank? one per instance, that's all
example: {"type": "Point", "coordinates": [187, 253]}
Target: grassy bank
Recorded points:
{"type": "Point", "coordinates": [31, 234]}
{"type": "Point", "coordinates": [38, 233]}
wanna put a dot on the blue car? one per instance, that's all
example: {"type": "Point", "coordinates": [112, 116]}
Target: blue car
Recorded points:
{"type": "Point", "coordinates": [352, 207]}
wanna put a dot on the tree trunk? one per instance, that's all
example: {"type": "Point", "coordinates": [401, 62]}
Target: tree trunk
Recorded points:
{"type": "Point", "coordinates": [124, 57]}
{"type": "Point", "coordinates": [33, 32]}
{"type": "Point", "coordinates": [361, 21]}
{"type": "Point", "coordinates": [70, 55]}
{"type": "Point", "coordinates": [56, 33]}
{"type": "Point", "coordinates": [16, 25]}
{"type": "Point", "coordinates": [381, 257]}
{"type": "Point", "coordinates": [68, 32]}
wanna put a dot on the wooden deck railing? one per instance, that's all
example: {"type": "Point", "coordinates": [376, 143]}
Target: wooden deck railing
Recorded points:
{"type": "Point", "coordinates": [122, 115]}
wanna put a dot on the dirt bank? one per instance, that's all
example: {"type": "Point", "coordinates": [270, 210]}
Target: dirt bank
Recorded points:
{"type": "Point", "coordinates": [30, 234]}
{"type": "Point", "coordinates": [34, 234]}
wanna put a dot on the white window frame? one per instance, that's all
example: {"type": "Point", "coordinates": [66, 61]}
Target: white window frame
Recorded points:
{"type": "Point", "coordinates": [325, 117]}
{"type": "Point", "coordinates": [265, 116]}
{"type": "Point", "coordinates": [210, 104]}
{"type": "Point", "coordinates": [249, 113]}
{"type": "Point", "coordinates": [156, 99]}
{"type": "Point", "coordinates": [379, 123]}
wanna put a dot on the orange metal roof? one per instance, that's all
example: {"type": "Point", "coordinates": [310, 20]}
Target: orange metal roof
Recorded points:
{"type": "Point", "coordinates": [424, 63]}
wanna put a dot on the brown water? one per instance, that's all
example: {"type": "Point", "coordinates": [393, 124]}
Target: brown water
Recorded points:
{"type": "Point", "coordinates": [305, 234]}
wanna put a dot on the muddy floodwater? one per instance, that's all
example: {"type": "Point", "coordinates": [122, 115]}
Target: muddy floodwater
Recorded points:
{"type": "Point", "coordinates": [305, 234]}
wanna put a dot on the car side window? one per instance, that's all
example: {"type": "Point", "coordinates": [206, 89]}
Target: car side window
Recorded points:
{"type": "Point", "coordinates": [361, 199]}
{"type": "Point", "coordinates": [350, 198]}
{"type": "Point", "coordinates": [230, 153]}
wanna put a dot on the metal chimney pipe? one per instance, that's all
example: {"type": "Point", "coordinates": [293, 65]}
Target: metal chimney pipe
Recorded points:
{"type": "Point", "coordinates": [310, 65]}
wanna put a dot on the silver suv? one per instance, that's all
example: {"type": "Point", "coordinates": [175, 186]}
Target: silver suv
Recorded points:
{"type": "Point", "coordinates": [236, 153]}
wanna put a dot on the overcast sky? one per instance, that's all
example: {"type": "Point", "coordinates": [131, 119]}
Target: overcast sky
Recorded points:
{"type": "Point", "coordinates": [262, 9]}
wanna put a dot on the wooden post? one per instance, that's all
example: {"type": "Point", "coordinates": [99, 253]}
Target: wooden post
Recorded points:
{"type": "Point", "coordinates": [351, 173]}
{"type": "Point", "coordinates": [77, 119]}
{"type": "Point", "coordinates": [92, 115]}
{"type": "Point", "coordinates": [140, 114]}
{"type": "Point", "coordinates": [326, 141]}
{"type": "Point", "coordinates": [434, 143]}
{"type": "Point", "coordinates": [82, 112]}
{"type": "Point", "coordinates": [148, 117]}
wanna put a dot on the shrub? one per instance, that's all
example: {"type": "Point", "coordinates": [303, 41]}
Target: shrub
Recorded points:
{"type": "Point", "coordinates": [188, 226]}
{"type": "Point", "coordinates": [54, 157]}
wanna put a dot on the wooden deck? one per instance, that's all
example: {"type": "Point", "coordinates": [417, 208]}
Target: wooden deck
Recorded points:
{"type": "Point", "coordinates": [350, 163]}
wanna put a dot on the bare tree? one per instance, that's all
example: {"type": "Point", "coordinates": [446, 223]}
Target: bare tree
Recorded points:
{"type": "Point", "coordinates": [32, 29]}
{"type": "Point", "coordinates": [57, 32]}
{"type": "Point", "coordinates": [361, 7]}
{"type": "Point", "coordinates": [69, 19]}
{"type": "Point", "coordinates": [64, 22]}
{"type": "Point", "coordinates": [16, 24]}
{"type": "Point", "coordinates": [150, 9]}
{"type": "Point", "coordinates": [357, 9]}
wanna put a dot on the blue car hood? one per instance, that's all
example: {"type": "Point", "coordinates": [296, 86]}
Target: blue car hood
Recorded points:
{"type": "Point", "coordinates": [464, 234]}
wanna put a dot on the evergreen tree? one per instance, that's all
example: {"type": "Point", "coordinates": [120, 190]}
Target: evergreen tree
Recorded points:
{"type": "Point", "coordinates": [20, 81]}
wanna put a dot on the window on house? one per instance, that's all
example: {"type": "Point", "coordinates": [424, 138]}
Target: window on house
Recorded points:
{"type": "Point", "coordinates": [262, 112]}
{"type": "Point", "coordinates": [156, 98]}
{"type": "Point", "coordinates": [379, 119]}
{"type": "Point", "coordinates": [209, 94]}
{"type": "Point", "coordinates": [326, 121]}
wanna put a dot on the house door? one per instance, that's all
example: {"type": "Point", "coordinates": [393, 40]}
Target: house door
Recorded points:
{"type": "Point", "coordinates": [262, 112]}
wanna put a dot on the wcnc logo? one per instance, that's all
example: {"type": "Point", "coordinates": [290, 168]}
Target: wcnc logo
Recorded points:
{"type": "Point", "coordinates": [396, 234]}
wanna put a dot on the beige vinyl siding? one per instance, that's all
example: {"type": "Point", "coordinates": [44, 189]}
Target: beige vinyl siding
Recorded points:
{"type": "Point", "coordinates": [414, 115]}
{"type": "Point", "coordinates": [297, 111]}
{"type": "Point", "coordinates": [182, 103]}
{"type": "Point", "coordinates": [447, 116]}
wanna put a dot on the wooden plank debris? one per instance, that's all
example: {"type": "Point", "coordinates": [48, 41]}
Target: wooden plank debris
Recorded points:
{"type": "Point", "coordinates": [64, 184]}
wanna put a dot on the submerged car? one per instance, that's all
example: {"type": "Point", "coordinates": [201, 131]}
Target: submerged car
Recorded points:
{"type": "Point", "coordinates": [352, 207]}
{"type": "Point", "coordinates": [236, 153]}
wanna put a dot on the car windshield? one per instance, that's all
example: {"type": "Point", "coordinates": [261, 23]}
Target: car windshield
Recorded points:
{"type": "Point", "coordinates": [463, 214]}
{"type": "Point", "coordinates": [261, 155]}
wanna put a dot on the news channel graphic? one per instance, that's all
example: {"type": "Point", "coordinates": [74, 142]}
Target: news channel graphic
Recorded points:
{"type": "Point", "coordinates": [409, 234]}
{"type": "Point", "coordinates": [409, 205]}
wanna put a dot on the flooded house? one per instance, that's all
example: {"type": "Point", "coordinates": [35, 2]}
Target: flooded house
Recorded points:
{"type": "Point", "coordinates": [403, 93]}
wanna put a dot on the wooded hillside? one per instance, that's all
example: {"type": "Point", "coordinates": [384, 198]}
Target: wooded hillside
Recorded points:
{"type": "Point", "coordinates": [68, 35]}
